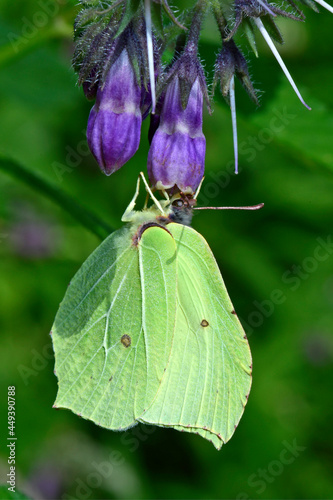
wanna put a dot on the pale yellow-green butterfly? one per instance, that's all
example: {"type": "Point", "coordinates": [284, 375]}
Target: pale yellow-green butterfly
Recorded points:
{"type": "Point", "coordinates": [147, 333]}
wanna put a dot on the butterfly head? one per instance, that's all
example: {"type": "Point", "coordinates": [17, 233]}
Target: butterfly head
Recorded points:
{"type": "Point", "coordinates": [181, 208]}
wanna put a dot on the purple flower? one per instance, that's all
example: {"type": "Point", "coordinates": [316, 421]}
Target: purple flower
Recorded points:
{"type": "Point", "coordinates": [177, 153]}
{"type": "Point", "coordinates": [114, 123]}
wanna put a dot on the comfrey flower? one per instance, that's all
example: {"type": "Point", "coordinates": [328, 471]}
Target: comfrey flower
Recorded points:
{"type": "Point", "coordinates": [176, 159]}
{"type": "Point", "coordinates": [177, 153]}
{"type": "Point", "coordinates": [113, 68]}
{"type": "Point", "coordinates": [114, 123]}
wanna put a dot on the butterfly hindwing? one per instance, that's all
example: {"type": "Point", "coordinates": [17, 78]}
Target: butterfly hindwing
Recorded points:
{"type": "Point", "coordinates": [208, 378]}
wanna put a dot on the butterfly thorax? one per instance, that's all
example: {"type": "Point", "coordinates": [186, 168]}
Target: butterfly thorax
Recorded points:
{"type": "Point", "coordinates": [178, 209]}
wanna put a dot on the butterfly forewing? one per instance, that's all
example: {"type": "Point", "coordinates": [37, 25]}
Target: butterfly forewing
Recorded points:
{"type": "Point", "coordinates": [110, 353]}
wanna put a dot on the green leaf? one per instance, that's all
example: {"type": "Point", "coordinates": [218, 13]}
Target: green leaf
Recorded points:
{"type": "Point", "coordinates": [171, 15]}
{"type": "Point", "coordinates": [250, 35]}
{"type": "Point", "coordinates": [156, 16]}
{"type": "Point", "coordinates": [130, 10]}
{"type": "Point", "coordinates": [272, 29]}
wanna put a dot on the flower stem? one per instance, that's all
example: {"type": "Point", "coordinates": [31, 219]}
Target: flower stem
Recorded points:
{"type": "Point", "coordinates": [85, 217]}
{"type": "Point", "coordinates": [220, 19]}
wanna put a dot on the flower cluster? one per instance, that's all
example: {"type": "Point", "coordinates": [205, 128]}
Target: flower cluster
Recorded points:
{"type": "Point", "coordinates": [118, 56]}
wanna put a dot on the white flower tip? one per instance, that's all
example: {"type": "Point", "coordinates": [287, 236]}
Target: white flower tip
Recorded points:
{"type": "Point", "coordinates": [302, 101]}
{"type": "Point", "coordinates": [277, 56]}
{"type": "Point", "coordinates": [153, 99]}
{"type": "Point", "coordinates": [150, 50]}
{"type": "Point", "coordinates": [234, 120]}
{"type": "Point", "coordinates": [325, 5]}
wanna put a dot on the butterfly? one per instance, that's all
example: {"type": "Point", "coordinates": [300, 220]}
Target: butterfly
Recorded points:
{"type": "Point", "coordinates": [147, 333]}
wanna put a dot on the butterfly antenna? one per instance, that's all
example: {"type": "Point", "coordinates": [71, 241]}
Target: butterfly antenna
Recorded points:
{"type": "Point", "coordinates": [146, 202]}
{"type": "Point", "coordinates": [130, 209]}
{"type": "Point", "coordinates": [250, 207]}
{"type": "Point", "coordinates": [155, 200]}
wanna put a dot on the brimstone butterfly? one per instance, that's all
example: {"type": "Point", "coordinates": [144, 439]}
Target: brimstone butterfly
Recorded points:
{"type": "Point", "coordinates": [147, 333]}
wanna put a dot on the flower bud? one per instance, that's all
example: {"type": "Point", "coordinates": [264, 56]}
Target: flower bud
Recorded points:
{"type": "Point", "coordinates": [90, 90]}
{"type": "Point", "coordinates": [230, 62]}
{"type": "Point", "coordinates": [114, 123]}
{"type": "Point", "coordinates": [177, 154]}
{"type": "Point", "coordinates": [90, 86]}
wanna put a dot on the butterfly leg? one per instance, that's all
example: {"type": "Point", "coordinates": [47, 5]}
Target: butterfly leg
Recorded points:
{"type": "Point", "coordinates": [198, 189]}
{"type": "Point", "coordinates": [166, 196]}
{"type": "Point", "coordinates": [146, 202]}
{"type": "Point", "coordinates": [128, 214]}
{"type": "Point", "coordinates": [155, 200]}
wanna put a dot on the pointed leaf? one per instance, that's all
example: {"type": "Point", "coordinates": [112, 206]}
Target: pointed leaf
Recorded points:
{"type": "Point", "coordinates": [250, 35]}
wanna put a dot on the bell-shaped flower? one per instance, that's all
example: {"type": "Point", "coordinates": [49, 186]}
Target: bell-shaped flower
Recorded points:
{"type": "Point", "coordinates": [114, 123]}
{"type": "Point", "coordinates": [176, 158]}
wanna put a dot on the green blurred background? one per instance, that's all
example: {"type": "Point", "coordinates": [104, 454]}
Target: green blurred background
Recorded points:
{"type": "Point", "coordinates": [277, 264]}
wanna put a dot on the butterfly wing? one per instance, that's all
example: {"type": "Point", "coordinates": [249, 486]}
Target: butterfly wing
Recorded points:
{"type": "Point", "coordinates": [208, 377]}
{"type": "Point", "coordinates": [112, 338]}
